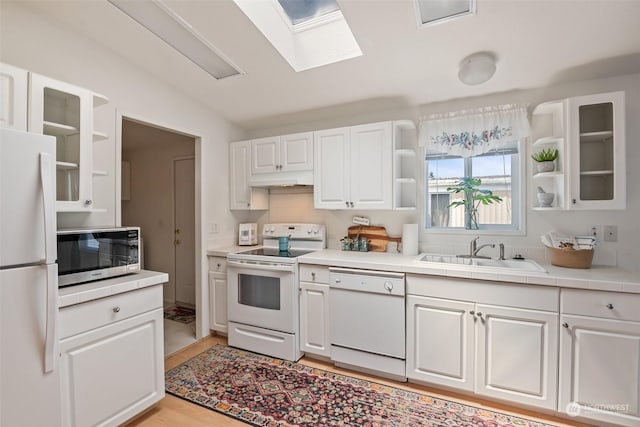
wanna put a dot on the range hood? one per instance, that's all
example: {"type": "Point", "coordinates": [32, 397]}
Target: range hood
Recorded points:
{"type": "Point", "coordinates": [281, 179]}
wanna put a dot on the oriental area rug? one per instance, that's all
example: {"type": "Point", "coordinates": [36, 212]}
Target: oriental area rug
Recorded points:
{"type": "Point", "coordinates": [180, 314]}
{"type": "Point", "coordinates": [263, 391]}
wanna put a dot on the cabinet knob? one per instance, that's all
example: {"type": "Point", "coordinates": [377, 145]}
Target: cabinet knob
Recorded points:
{"type": "Point", "coordinates": [479, 314]}
{"type": "Point", "coordinates": [346, 203]}
{"type": "Point", "coordinates": [116, 309]}
{"type": "Point", "coordinates": [313, 276]}
{"type": "Point", "coordinates": [219, 265]}
{"type": "Point", "coordinates": [565, 325]}
{"type": "Point", "coordinates": [88, 202]}
{"type": "Point", "coordinates": [610, 306]}
{"type": "Point", "coordinates": [574, 201]}
{"type": "Point", "coordinates": [472, 312]}
{"type": "Point", "coordinates": [351, 203]}
{"type": "Point", "coordinates": [248, 205]}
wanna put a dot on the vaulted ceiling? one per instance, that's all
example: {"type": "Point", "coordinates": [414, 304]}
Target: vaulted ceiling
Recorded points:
{"type": "Point", "coordinates": [536, 43]}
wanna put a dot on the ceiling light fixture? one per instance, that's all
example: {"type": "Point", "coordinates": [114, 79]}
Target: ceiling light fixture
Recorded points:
{"type": "Point", "coordinates": [477, 68]}
{"type": "Point", "coordinates": [158, 18]}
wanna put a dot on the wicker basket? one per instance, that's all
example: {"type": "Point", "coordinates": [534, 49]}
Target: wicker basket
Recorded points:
{"type": "Point", "coordinates": [571, 258]}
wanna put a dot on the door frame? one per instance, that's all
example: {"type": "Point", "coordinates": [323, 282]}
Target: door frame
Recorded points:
{"type": "Point", "coordinates": [173, 218]}
{"type": "Point", "coordinates": [202, 292]}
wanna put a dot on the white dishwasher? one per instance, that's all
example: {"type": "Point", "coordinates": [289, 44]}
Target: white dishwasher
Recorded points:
{"type": "Point", "coordinates": [367, 319]}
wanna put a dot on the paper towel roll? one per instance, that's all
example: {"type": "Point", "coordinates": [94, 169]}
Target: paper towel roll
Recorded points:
{"type": "Point", "coordinates": [410, 239]}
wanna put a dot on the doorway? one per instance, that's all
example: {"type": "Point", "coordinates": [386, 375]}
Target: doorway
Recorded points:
{"type": "Point", "coordinates": [161, 200]}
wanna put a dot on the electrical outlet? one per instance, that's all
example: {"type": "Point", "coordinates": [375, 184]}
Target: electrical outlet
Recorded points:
{"type": "Point", "coordinates": [213, 227]}
{"type": "Point", "coordinates": [594, 231]}
{"type": "Point", "coordinates": [610, 233]}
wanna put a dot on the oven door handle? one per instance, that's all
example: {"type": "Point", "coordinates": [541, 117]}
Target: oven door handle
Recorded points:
{"type": "Point", "coordinates": [257, 266]}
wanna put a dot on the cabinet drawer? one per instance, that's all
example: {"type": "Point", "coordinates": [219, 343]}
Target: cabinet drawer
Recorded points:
{"type": "Point", "coordinates": [217, 264]}
{"type": "Point", "coordinates": [94, 314]}
{"type": "Point", "coordinates": [608, 305]}
{"type": "Point", "coordinates": [314, 273]}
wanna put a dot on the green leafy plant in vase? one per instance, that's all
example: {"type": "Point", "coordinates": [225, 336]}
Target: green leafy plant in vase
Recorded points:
{"type": "Point", "coordinates": [474, 196]}
{"type": "Point", "coordinates": [545, 159]}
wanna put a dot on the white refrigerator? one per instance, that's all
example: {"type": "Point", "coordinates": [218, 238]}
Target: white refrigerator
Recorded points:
{"type": "Point", "coordinates": [29, 375]}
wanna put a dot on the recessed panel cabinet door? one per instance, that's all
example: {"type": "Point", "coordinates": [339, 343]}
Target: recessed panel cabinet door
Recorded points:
{"type": "Point", "coordinates": [241, 196]}
{"type": "Point", "coordinates": [265, 155]}
{"type": "Point", "coordinates": [371, 166]}
{"type": "Point", "coordinates": [600, 369]}
{"type": "Point", "coordinates": [13, 97]}
{"type": "Point", "coordinates": [517, 355]}
{"type": "Point", "coordinates": [440, 341]}
{"type": "Point", "coordinates": [331, 176]}
{"type": "Point", "coordinates": [111, 374]}
{"type": "Point", "coordinates": [296, 152]}
{"type": "Point", "coordinates": [314, 319]}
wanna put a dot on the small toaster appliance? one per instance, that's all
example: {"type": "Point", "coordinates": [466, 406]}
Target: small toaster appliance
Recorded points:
{"type": "Point", "coordinates": [248, 234]}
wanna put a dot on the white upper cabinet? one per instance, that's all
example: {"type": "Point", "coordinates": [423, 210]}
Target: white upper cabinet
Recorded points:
{"type": "Point", "coordinates": [597, 151]}
{"type": "Point", "coordinates": [282, 153]}
{"type": "Point", "coordinates": [241, 196]}
{"type": "Point", "coordinates": [282, 160]}
{"type": "Point", "coordinates": [13, 97]}
{"type": "Point", "coordinates": [589, 133]}
{"type": "Point", "coordinates": [353, 167]}
{"type": "Point", "coordinates": [66, 112]}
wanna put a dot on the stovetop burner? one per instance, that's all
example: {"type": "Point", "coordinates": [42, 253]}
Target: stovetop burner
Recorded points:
{"type": "Point", "coordinates": [274, 252]}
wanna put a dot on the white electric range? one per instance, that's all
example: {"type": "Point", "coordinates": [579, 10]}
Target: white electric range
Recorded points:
{"type": "Point", "coordinates": [262, 297]}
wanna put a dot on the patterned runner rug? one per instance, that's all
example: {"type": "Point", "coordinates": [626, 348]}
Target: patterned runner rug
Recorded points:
{"type": "Point", "coordinates": [263, 391]}
{"type": "Point", "coordinates": [182, 315]}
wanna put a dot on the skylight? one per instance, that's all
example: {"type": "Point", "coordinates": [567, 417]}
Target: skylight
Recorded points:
{"type": "Point", "coordinates": [302, 11]}
{"type": "Point", "coordinates": [436, 11]}
{"type": "Point", "coordinates": [307, 33]}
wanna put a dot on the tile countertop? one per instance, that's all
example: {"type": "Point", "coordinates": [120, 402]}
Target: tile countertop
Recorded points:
{"type": "Point", "coordinates": [601, 278]}
{"type": "Point", "coordinates": [76, 294]}
{"type": "Point", "coordinates": [223, 251]}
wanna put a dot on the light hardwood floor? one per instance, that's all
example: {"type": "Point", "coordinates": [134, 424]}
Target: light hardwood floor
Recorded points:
{"type": "Point", "coordinates": [175, 412]}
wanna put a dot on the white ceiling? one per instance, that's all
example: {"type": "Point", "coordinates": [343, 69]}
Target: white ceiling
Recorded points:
{"type": "Point", "coordinates": [537, 43]}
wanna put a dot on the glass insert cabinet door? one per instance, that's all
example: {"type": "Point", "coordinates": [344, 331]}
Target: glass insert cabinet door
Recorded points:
{"type": "Point", "coordinates": [597, 136]}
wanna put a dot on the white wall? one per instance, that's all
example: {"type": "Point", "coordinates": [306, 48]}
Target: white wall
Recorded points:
{"type": "Point", "coordinates": [35, 43]}
{"type": "Point", "coordinates": [623, 253]}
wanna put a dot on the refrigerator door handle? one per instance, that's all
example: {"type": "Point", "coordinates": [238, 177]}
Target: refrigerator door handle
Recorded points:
{"type": "Point", "coordinates": [48, 199]}
{"type": "Point", "coordinates": [51, 330]}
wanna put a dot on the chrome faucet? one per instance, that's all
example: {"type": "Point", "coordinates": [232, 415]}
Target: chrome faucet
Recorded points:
{"type": "Point", "coordinates": [474, 249]}
{"type": "Point", "coordinates": [501, 257]}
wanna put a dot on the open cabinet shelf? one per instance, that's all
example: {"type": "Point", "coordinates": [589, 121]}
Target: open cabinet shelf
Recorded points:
{"type": "Point", "coordinates": [405, 165]}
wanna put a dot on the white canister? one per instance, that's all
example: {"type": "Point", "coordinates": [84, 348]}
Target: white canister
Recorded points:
{"type": "Point", "coordinates": [410, 239]}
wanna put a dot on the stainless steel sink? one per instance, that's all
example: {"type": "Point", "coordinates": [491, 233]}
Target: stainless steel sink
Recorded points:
{"type": "Point", "coordinates": [506, 264]}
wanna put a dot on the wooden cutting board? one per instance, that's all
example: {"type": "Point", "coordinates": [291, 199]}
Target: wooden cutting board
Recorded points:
{"type": "Point", "coordinates": [377, 236]}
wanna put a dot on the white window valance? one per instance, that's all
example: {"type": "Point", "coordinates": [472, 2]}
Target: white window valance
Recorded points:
{"type": "Point", "coordinates": [473, 132]}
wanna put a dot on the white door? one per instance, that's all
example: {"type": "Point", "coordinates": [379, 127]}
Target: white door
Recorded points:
{"type": "Point", "coordinates": [331, 166]}
{"type": "Point", "coordinates": [296, 152]}
{"type": "Point", "coordinates": [517, 355]}
{"type": "Point", "coordinates": [13, 97]}
{"type": "Point", "coordinates": [185, 230]}
{"type": "Point", "coordinates": [370, 166]}
{"type": "Point", "coordinates": [440, 341]}
{"type": "Point", "coordinates": [265, 155]}
{"type": "Point", "coordinates": [314, 319]}
{"type": "Point", "coordinates": [600, 369]}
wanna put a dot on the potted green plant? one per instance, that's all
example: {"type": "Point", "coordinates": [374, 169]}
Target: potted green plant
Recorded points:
{"type": "Point", "coordinates": [474, 196]}
{"type": "Point", "coordinates": [545, 159]}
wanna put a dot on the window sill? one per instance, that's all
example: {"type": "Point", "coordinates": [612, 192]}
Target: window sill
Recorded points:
{"type": "Point", "coordinates": [481, 232]}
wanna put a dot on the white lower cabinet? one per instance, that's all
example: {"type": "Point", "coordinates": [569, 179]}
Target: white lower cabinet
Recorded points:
{"type": "Point", "coordinates": [314, 310]}
{"type": "Point", "coordinates": [440, 341]}
{"type": "Point", "coordinates": [600, 357]}
{"type": "Point", "coordinates": [112, 358]}
{"type": "Point", "coordinates": [500, 351]}
{"type": "Point", "coordinates": [218, 294]}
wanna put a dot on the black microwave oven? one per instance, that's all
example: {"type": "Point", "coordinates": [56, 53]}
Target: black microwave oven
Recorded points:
{"type": "Point", "coordinates": [85, 255]}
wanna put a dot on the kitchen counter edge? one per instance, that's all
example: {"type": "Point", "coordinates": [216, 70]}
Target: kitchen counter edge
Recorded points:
{"type": "Point", "coordinates": [71, 295]}
{"type": "Point", "coordinates": [602, 278]}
